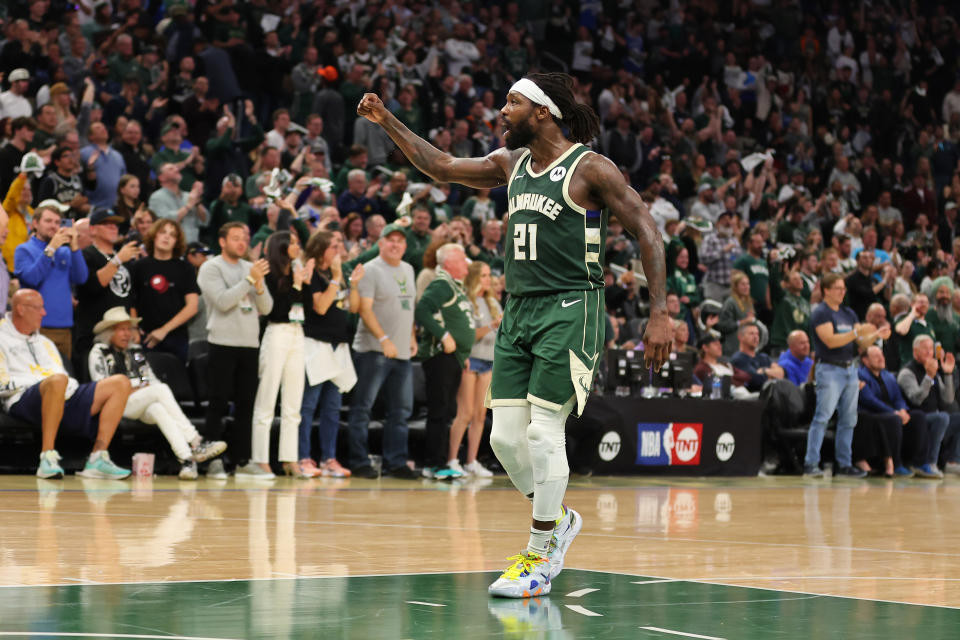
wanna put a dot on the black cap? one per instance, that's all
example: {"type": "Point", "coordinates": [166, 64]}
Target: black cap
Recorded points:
{"type": "Point", "coordinates": [198, 247]}
{"type": "Point", "coordinates": [707, 339]}
{"type": "Point", "coordinates": [103, 215]}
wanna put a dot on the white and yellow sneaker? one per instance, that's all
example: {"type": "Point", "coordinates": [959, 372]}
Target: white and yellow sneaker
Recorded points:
{"type": "Point", "coordinates": [526, 577]}
{"type": "Point", "coordinates": [567, 528]}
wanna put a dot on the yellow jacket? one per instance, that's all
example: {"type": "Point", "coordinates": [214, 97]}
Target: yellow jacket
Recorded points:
{"type": "Point", "coordinates": [18, 229]}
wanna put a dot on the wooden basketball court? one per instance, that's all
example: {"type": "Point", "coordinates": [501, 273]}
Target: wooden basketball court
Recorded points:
{"type": "Point", "coordinates": [731, 559]}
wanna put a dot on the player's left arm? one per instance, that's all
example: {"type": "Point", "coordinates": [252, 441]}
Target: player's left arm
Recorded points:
{"type": "Point", "coordinates": [607, 187]}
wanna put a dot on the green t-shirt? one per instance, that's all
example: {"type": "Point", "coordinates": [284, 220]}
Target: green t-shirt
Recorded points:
{"type": "Point", "coordinates": [916, 329]}
{"type": "Point", "coordinates": [790, 314]}
{"type": "Point", "coordinates": [759, 274]}
{"type": "Point", "coordinates": [416, 245]}
{"type": "Point", "coordinates": [683, 283]}
{"type": "Point", "coordinates": [946, 330]}
{"type": "Point", "coordinates": [444, 307]}
{"type": "Point", "coordinates": [222, 212]}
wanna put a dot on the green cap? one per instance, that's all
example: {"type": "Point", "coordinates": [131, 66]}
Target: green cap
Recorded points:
{"type": "Point", "coordinates": [393, 226]}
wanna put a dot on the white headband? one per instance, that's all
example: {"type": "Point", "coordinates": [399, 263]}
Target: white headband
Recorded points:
{"type": "Point", "coordinates": [531, 90]}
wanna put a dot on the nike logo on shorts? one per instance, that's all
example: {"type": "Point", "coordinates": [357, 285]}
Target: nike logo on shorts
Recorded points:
{"type": "Point", "coordinates": [570, 303]}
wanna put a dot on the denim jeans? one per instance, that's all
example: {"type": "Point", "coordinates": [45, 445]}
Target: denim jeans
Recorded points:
{"type": "Point", "coordinates": [838, 389]}
{"type": "Point", "coordinates": [327, 396]}
{"type": "Point", "coordinates": [374, 370]}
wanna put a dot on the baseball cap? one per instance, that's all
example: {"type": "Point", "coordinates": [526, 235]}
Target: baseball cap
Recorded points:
{"type": "Point", "coordinates": [393, 226]}
{"type": "Point", "coordinates": [103, 215]}
{"type": "Point", "coordinates": [19, 74]}
{"type": "Point", "coordinates": [710, 307]}
{"type": "Point", "coordinates": [32, 163]}
{"type": "Point", "coordinates": [167, 127]}
{"type": "Point", "coordinates": [198, 247]}
{"type": "Point", "coordinates": [704, 186]}
{"type": "Point", "coordinates": [54, 204]}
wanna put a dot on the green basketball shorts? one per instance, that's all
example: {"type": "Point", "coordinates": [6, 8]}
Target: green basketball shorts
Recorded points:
{"type": "Point", "coordinates": [547, 350]}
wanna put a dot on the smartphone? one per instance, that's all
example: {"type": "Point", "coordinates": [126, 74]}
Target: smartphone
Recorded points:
{"type": "Point", "coordinates": [66, 222]}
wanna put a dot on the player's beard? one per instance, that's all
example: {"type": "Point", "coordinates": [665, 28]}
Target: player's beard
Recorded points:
{"type": "Point", "coordinates": [521, 135]}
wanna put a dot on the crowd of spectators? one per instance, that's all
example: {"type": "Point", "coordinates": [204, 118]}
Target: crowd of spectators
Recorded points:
{"type": "Point", "coordinates": [201, 166]}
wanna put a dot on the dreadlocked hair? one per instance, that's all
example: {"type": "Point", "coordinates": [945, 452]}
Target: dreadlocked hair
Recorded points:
{"type": "Point", "coordinates": [579, 119]}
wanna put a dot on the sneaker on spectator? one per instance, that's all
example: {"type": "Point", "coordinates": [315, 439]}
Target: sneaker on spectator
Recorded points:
{"type": "Point", "coordinates": [189, 470]}
{"type": "Point", "coordinates": [208, 449]}
{"type": "Point", "coordinates": [455, 465]}
{"type": "Point", "coordinates": [333, 469]}
{"type": "Point", "coordinates": [812, 471]}
{"type": "Point", "coordinates": [439, 473]}
{"type": "Point", "coordinates": [309, 468]}
{"type": "Point", "coordinates": [50, 465]}
{"type": "Point", "coordinates": [953, 468]}
{"type": "Point", "coordinates": [850, 472]}
{"type": "Point", "coordinates": [902, 472]}
{"type": "Point", "coordinates": [927, 471]}
{"type": "Point", "coordinates": [404, 473]}
{"type": "Point", "coordinates": [99, 465]}
{"type": "Point", "coordinates": [476, 469]}
{"type": "Point", "coordinates": [216, 470]}
{"type": "Point", "coordinates": [365, 471]}
{"type": "Point", "coordinates": [254, 471]}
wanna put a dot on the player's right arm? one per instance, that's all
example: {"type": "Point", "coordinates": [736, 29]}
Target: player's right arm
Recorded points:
{"type": "Point", "coordinates": [480, 173]}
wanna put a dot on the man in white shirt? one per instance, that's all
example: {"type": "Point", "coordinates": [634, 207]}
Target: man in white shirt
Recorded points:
{"type": "Point", "coordinates": [36, 388]}
{"type": "Point", "coordinates": [13, 104]}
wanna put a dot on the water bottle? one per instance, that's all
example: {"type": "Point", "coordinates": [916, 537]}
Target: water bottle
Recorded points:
{"type": "Point", "coordinates": [716, 391]}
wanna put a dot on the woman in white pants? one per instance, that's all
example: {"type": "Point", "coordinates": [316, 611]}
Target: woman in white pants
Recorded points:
{"type": "Point", "coordinates": [151, 401]}
{"type": "Point", "coordinates": [281, 358]}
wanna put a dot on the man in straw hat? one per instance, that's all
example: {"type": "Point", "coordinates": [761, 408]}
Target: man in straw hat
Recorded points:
{"type": "Point", "coordinates": [36, 388]}
{"type": "Point", "coordinates": [151, 401]}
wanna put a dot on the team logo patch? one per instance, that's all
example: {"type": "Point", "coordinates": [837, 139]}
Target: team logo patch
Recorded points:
{"type": "Point", "coordinates": [558, 173]}
{"type": "Point", "coordinates": [668, 443]}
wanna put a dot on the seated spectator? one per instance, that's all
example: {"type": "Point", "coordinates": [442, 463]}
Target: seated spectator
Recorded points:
{"type": "Point", "coordinates": [912, 324]}
{"type": "Point", "coordinates": [170, 202]}
{"type": "Point", "coordinates": [683, 283]}
{"type": "Point", "coordinates": [712, 363]}
{"type": "Point", "coordinates": [944, 322]}
{"type": "Point", "coordinates": [681, 338]}
{"type": "Point", "coordinates": [737, 312]}
{"type": "Point", "coordinates": [758, 365]}
{"type": "Point", "coordinates": [359, 196]}
{"type": "Point", "coordinates": [927, 384]}
{"type": "Point", "coordinates": [51, 262]}
{"type": "Point", "coordinates": [164, 290]}
{"type": "Point", "coordinates": [882, 401]}
{"type": "Point", "coordinates": [39, 391]}
{"type": "Point", "coordinates": [151, 400]}
{"type": "Point", "coordinates": [796, 361]}
{"type": "Point", "coordinates": [792, 313]}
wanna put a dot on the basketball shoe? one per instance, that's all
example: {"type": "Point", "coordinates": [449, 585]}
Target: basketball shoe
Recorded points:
{"type": "Point", "coordinates": [567, 528]}
{"type": "Point", "coordinates": [527, 576]}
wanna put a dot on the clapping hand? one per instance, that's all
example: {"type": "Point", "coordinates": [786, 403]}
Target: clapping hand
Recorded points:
{"type": "Point", "coordinates": [949, 363]}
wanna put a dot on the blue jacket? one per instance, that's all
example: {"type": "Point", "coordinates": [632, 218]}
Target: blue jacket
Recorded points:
{"type": "Point", "coordinates": [52, 277]}
{"type": "Point", "coordinates": [796, 370]}
{"type": "Point", "coordinates": [871, 396]}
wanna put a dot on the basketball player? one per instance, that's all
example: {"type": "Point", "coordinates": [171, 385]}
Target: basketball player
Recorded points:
{"type": "Point", "coordinates": [560, 194]}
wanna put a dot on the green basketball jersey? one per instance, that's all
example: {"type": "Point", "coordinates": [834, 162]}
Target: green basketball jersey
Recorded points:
{"type": "Point", "coordinates": [552, 243]}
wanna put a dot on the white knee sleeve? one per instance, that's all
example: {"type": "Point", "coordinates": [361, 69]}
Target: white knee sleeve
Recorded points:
{"type": "Point", "coordinates": [546, 441]}
{"type": "Point", "coordinates": [508, 439]}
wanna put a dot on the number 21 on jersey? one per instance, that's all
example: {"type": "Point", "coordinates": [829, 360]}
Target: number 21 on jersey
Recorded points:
{"type": "Point", "coordinates": [525, 241]}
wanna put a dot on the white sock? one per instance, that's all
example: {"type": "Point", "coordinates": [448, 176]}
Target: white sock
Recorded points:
{"type": "Point", "coordinates": [93, 456]}
{"type": "Point", "coordinates": [539, 541]}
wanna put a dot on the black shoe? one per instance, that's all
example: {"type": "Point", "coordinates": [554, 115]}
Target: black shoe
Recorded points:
{"type": "Point", "coordinates": [404, 473]}
{"type": "Point", "coordinates": [850, 472]}
{"type": "Point", "coordinates": [366, 471]}
{"type": "Point", "coordinates": [812, 471]}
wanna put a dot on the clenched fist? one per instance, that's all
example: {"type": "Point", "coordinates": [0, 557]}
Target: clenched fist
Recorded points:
{"type": "Point", "coordinates": [372, 108]}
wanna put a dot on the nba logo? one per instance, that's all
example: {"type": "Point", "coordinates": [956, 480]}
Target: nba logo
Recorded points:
{"type": "Point", "coordinates": [669, 443]}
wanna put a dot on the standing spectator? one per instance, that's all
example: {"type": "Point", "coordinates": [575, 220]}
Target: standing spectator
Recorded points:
{"type": "Point", "coordinates": [281, 357]}
{"type": "Point", "coordinates": [327, 335]}
{"type": "Point", "coordinates": [107, 163]}
{"type": "Point", "coordinates": [383, 346]}
{"type": "Point", "coordinates": [863, 289]}
{"type": "Point", "coordinates": [41, 392]}
{"type": "Point", "coordinates": [795, 361]}
{"type": "Point", "coordinates": [792, 312]}
{"type": "Point", "coordinates": [16, 204]}
{"type": "Point", "coordinates": [358, 198]}
{"type": "Point", "coordinates": [717, 253]}
{"type": "Point", "coordinates": [882, 401]}
{"type": "Point", "coordinates": [230, 208]}
{"type": "Point", "coordinates": [173, 204]}
{"type": "Point", "coordinates": [128, 201]}
{"type": "Point", "coordinates": [188, 163]}
{"type": "Point", "coordinates": [471, 410]}
{"type": "Point", "coordinates": [927, 384]}
{"type": "Point", "coordinates": [737, 312]}
{"type": "Point", "coordinates": [151, 400]}
{"type": "Point", "coordinates": [235, 298]}
{"type": "Point", "coordinates": [131, 148]}
{"type": "Point", "coordinates": [108, 283]}
{"type": "Point", "coordinates": [64, 185]}
{"type": "Point", "coordinates": [754, 264]}
{"type": "Point", "coordinates": [835, 332]}
{"type": "Point", "coordinates": [490, 249]}
{"type": "Point", "coordinates": [446, 316]}
{"type": "Point", "coordinates": [22, 131]}
{"type": "Point", "coordinates": [165, 292]}
{"type": "Point", "coordinates": [51, 262]}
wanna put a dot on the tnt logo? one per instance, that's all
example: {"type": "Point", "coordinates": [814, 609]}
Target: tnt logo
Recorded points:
{"type": "Point", "coordinates": [663, 444]}
{"type": "Point", "coordinates": [609, 446]}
